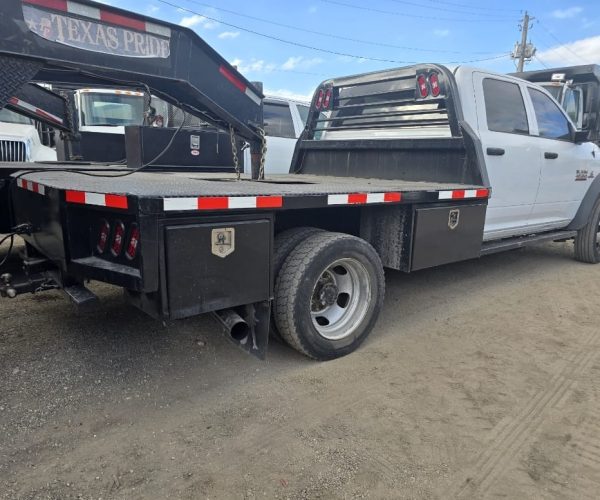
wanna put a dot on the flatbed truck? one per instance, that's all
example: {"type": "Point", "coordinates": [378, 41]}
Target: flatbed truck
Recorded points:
{"type": "Point", "coordinates": [404, 169]}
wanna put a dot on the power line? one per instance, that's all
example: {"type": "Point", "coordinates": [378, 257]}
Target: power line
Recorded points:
{"type": "Point", "coordinates": [310, 47]}
{"type": "Point", "coordinates": [445, 9]}
{"type": "Point", "coordinates": [562, 45]}
{"type": "Point", "coordinates": [331, 35]}
{"type": "Point", "coordinates": [474, 6]}
{"type": "Point", "coordinates": [489, 19]}
{"type": "Point", "coordinates": [541, 62]}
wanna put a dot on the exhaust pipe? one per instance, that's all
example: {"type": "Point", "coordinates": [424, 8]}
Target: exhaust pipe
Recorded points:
{"type": "Point", "coordinates": [235, 325]}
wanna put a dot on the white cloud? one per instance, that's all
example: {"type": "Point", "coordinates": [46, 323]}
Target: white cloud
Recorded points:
{"type": "Point", "coordinates": [355, 60]}
{"type": "Point", "coordinates": [441, 33]}
{"type": "Point", "coordinates": [566, 13]}
{"type": "Point", "coordinates": [300, 62]}
{"type": "Point", "coordinates": [289, 94]}
{"type": "Point", "coordinates": [229, 34]}
{"type": "Point", "coordinates": [254, 66]}
{"type": "Point", "coordinates": [152, 9]}
{"type": "Point", "coordinates": [198, 20]}
{"type": "Point", "coordinates": [586, 50]}
{"type": "Point", "coordinates": [262, 66]}
{"type": "Point", "coordinates": [312, 9]}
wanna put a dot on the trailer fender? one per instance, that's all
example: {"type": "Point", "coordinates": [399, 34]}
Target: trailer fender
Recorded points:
{"type": "Point", "coordinates": [585, 209]}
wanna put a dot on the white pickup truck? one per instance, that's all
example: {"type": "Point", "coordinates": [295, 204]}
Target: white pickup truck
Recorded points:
{"type": "Point", "coordinates": [541, 170]}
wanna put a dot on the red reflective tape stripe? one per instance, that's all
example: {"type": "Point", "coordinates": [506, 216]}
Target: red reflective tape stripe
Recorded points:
{"type": "Point", "coordinates": [50, 4]}
{"type": "Point", "coordinates": [76, 197]}
{"type": "Point", "coordinates": [213, 203]}
{"type": "Point", "coordinates": [269, 201]}
{"type": "Point", "coordinates": [42, 113]}
{"type": "Point", "coordinates": [458, 195]}
{"type": "Point", "coordinates": [116, 201]}
{"type": "Point", "coordinates": [357, 198]}
{"type": "Point", "coordinates": [392, 197]}
{"type": "Point", "coordinates": [14, 101]}
{"type": "Point", "coordinates": [232, 78]}
{"type": "Point", "coordinates": [35, 187]}
{"type": "Point", "coordinates": [483, 193]}
{"type": "Point", "coordinates": [119, 20]}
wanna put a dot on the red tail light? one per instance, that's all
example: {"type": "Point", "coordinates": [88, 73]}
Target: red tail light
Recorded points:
{"type": "Point", "coordinates": [327, 100]}
{"type": "Point", "coordinates": [319, 102]}
{"type": "Point", "coordinates": [103, 236]}
{"type": "Point", "coordinates": [134, 241]}
{"type": "Point", "coordinates": [118, 239]}
{"type": "Point", "coordinates": [434, 83]}
{"type": "Point", "coordinates": [423, 87]}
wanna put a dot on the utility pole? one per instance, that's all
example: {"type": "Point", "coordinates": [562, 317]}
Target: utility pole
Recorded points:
{"type": "Point", "coordinates": [524, 51]}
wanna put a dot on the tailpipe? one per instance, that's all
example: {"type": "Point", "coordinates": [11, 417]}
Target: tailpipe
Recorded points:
{"type": "Point", "coordinates": [235, 325]}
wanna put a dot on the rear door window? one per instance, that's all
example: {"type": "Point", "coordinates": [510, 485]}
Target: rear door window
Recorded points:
{"type": "Point", "coordinates": [303, 110]}
{"type": "Point", "coordinates": [552, 123]}
{"type": "Point", "coordinates": [504, 106]}
{"type": "Point", "coordinates": [278, 121]}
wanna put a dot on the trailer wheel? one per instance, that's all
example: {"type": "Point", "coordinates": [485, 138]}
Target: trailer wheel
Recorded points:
{"type": "Point", "coordinates": [587, 241]}
{"type": "Point", "coordinates": [328, 295]}
{"type": "Point", "coordinates": [284, 243]}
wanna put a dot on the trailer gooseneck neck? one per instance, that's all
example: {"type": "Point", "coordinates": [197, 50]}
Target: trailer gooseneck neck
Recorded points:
{"type": "Point", "coordinates": [85, 43]}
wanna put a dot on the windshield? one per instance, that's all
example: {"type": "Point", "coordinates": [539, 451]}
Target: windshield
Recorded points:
{"type": "Point", "coordinates": [554, 90]}
{"type": "Point", "coordinates": [8, 116]}
{"type": "Point", "coordinates": [116, 110]}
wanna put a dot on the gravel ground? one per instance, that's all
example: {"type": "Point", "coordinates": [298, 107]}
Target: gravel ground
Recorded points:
{"type": "Point", "coordinates": [479, 381]}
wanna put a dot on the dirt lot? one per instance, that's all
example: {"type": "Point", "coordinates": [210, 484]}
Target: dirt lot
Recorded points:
{"type": "Point", "coordinates": [480, 381]}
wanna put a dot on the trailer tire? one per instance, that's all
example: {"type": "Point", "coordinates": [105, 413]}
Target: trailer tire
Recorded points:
{"type": "Point", "coordinates": [328, 295]}
{"type": "Point", "coordinates": [587, 241]}
{"type": "Point", "coordinates": [284, 243]}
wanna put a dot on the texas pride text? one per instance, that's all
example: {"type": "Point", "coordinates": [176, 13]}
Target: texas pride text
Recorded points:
{"type": "Point", "coordinates": [94, 36]}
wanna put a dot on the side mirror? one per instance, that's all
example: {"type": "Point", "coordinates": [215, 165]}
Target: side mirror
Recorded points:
{"type": "Point", "coordinates": [580, 136]}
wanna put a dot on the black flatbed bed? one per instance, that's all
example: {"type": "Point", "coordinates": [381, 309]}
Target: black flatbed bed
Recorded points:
{"type": "Point", "coordinates": [190, 184]}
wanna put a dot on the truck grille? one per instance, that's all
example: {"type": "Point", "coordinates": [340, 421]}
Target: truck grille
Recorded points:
{"type": "Point", "coordinates": [13, 151]}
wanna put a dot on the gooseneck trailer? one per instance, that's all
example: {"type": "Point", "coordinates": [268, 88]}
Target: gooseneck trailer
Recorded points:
{"type": "Point", "coordinates": [389, 173]}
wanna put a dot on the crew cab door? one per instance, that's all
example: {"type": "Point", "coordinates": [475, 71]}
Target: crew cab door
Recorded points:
{"type": "Point", "coordinates": [511, 157]}
{"type": "Point", "coordinates": [567, 168]}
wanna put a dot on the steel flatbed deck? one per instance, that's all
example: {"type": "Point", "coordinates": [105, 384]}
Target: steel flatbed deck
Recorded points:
{"type": "Point", "coordinates": [182, 191]}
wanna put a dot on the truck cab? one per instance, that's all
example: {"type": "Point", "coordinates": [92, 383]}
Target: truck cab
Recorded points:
{"type": "Point", "coordinates": [539, 167]}
{"type": "Point", "coordinates": [20, 139]}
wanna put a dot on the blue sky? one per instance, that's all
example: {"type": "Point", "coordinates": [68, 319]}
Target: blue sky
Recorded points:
{"type": "Point", "coordinates": [398, 32]}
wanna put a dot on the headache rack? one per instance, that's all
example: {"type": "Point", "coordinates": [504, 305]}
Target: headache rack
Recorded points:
{"type": "Point", "coordinates": [407, 102]}
{"type": "Point", "coordinates": [403, 123]}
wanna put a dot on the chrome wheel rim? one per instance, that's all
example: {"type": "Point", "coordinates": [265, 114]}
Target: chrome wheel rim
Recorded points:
{"type": "Point", "coordinates": [340, 299]}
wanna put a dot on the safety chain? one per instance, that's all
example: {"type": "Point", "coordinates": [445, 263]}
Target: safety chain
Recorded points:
{"type": "Point", "coordinates": [236, 161]}
{"type": "Point", "coordinates": [263, 154]}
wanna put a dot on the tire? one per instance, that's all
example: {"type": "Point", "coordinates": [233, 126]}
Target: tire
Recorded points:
{"type": "Point", "coordinates": [587, 242]}
{"type": "Point", "coordinates": [328, 295]}
{"type": "Point", "coordinates": [284, 243]}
